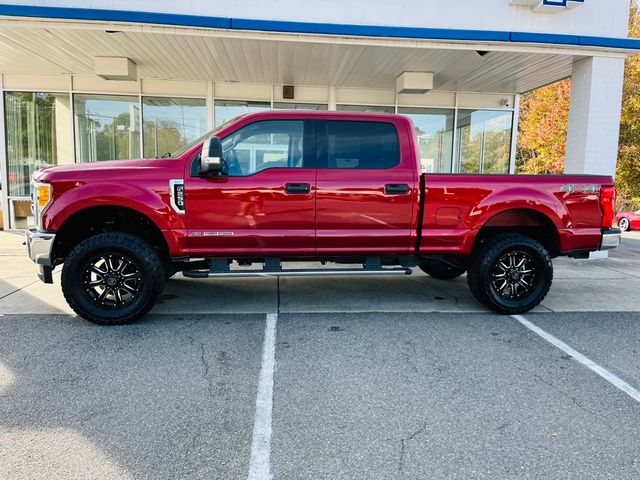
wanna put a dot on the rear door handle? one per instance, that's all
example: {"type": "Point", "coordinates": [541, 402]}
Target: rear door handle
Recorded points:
{"type": "Point", "coordinates": [297, 188]}
{"type": "Point", "coordinates": [396, 189]}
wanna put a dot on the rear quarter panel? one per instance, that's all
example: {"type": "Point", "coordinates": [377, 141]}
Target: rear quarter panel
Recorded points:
{"type": "Point", "coordinates": [457, 206]}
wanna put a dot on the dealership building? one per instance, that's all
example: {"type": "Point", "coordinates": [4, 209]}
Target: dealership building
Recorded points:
{"type": "Point", "coordinates": [95, 80]}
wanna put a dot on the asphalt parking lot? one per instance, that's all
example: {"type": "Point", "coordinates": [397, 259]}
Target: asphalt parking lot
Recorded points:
{"type": "Point", "coordinates": [371, 378]}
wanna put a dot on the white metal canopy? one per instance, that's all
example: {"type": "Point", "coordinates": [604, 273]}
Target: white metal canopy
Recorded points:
{"type": "Point", "coordinates": [41, 47]}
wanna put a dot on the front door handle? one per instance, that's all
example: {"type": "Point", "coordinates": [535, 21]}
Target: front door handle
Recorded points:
{"type": "Point", "coordinates": [297, 188]}
{"type": "Point", "coordinates": [396, 189]}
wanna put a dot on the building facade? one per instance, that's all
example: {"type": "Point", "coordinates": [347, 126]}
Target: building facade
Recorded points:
{"type": "Point", "coordinates": [107, 79]}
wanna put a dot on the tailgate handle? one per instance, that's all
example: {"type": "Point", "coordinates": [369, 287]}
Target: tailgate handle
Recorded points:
{"type": "Point", "coordinates": [396, 189]}
{"type": "Point", "coordinates": [297, 188]}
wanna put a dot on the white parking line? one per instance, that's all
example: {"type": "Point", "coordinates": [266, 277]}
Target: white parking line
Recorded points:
{"type": "Point", "coordinates": [587, 362]}
{"type": "Point", "coordinates": [260, 463]}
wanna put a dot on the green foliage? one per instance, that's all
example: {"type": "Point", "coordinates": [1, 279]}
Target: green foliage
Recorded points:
{"type": "Point", "coordinates": [542, 130]}
{"type": "Point", "coordinates": [628, 171]}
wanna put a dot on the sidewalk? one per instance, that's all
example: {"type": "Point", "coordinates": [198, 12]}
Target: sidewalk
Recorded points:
{"type": "Point", "coordinates": [580, 285]}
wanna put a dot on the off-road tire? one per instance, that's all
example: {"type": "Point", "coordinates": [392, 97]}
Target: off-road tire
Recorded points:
{"type": "Point", "coordinates": [483, 264]}
{"type": "Point", "coordinates": [441, 269]}
{"type": "Point", "coordinates": [151, 277]}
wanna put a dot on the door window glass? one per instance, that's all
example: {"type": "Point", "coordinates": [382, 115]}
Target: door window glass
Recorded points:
{"type": "Point", "coordinates": [434, 131]}
{"type": "Point", "coordinates": [366, 108]}
{"type": "Point", "coordinates": [226, 110]}
{"type": "Point", "coordinates": [362, 145]}
{"type": "Point", "coordinates": [107, 127]}
{"type": "Point", "coordinates": [38, 134]}
{"type": "Point", "coordinates": [171, 123]}
{"type": "Point", "coordinates": [299, 106]}
{"type": "Point", "coordinates": [484, 141]}
{"type": "Point", "coordinates": [263, 145]}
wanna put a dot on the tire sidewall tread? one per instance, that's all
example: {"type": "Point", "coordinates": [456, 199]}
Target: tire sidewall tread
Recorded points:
{"type": "Point", "coordinates": [478, 274]}
{"type": "Point", "coordinates": [149, 262]}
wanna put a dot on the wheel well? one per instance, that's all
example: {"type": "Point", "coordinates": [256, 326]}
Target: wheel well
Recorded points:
{"type": "Point", "coordinates": [526, 222]}
{"type": "Point", "coordinates": [91, 221]}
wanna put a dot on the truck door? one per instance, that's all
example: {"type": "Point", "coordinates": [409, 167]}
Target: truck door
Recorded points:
{"type": "Point", "coordinates": [264, 204]}
{"type": "Point", "coordinates": [367, 187]}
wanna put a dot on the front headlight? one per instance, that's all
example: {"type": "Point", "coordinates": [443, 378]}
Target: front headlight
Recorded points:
{"type": "Point", "coordinates": [42, 193]}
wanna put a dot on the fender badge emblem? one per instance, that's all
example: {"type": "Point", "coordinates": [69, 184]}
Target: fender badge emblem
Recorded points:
{"type": "Point", "coordinates": [212, 234]}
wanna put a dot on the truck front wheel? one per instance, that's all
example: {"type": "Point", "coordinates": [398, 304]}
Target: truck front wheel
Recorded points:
{"type": "Point", "coordinates": [510, 273]}
{"type": "Point", "coordinates": [112, 278]}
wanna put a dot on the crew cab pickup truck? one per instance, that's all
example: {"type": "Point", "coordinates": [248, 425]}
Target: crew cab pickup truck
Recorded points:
{"type": "Point", "coordinates": [341, 188]}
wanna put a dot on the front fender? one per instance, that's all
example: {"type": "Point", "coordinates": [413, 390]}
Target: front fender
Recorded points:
{"type": "Point", "coordinates": [152, 203]}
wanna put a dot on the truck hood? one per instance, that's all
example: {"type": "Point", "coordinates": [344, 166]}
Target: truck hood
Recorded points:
{"type": "Point", "coordinates": [112, 167]}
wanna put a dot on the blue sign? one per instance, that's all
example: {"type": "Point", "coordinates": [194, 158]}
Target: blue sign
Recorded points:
{"type": "Point", "coordinates": [549, 5]}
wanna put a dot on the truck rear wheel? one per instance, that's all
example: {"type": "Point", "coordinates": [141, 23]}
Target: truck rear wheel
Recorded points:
{"type": "Point", "coordinates": [112, 278]}
{"type": "Point", "coordinates": [510, 273]}
{"type": "Point", "coordinates": [443, 269]}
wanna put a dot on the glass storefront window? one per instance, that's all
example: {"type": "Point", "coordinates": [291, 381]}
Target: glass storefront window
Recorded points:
{"type": "Point", "coordinates": [434, 129]}
{"type": "Point", "coordinates": [107, 127]}
{"type": "Point", "coordinates": [226, 110]}
{"type": "Point", "coordinates": [366, 108]}
{"type": "Point", "coordinates": [484, 141]}
{"type": "Point", "coordinates": [38, 135]}
{"type": "Point", "coordinates": [298, 106]}
{"type": "Point", "coordinates": [171, 123]}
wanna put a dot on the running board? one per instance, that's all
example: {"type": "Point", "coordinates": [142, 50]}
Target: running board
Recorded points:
{"type": "Point", "coordinates": [220, 267]}
{"type": "Point", "coordinates": [326, 272]}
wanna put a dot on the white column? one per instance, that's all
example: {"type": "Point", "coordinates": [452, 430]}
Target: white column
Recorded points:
{"type": "Point", "coordinates": [64, 133]}
{"type": "Point", "coordinates": [211, 122]}
{"type": "Point", "coordinates": [594, 115]}
{"type": "Point", "coordinates": [331, 100]}
{"type": "Point", "coordinates": [514, 135]}
{"type": "Point", "coordinates": [4, 165]}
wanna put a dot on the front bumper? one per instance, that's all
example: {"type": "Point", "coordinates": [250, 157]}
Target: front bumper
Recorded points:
{"type": "Point", "coordinates": [610, 239]}
{"type": "Point", "coordinates": [40, 247]}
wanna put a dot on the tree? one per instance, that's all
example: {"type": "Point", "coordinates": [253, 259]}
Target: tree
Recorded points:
{"type": "Point", "coordinates": [544, 117]}
{"type": "Point", "coordinates": [542, 129]}
{"type": "Point", "coordinates": [628, 171]}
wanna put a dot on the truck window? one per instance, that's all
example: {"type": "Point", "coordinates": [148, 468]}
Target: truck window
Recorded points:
{"type": "Point", "coordinates": [263, 145]}
{"type": "Point", "coordinates": [362, 145]}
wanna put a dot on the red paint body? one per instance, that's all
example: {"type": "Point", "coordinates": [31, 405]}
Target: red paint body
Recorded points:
{"type": "Point", "coordinates": [346, 211]}
{"type": "Point", "coordinates": [633, 217]}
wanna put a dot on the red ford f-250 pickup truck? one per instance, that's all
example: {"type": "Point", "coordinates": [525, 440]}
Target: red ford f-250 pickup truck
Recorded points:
{"type": "Point", "coordinates": [274, 187]}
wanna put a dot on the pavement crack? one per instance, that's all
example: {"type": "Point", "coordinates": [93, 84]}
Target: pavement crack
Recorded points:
{"type": "Point", "coordinates": [566, 395]}
{"type": "Point", "coordinates": [205, 366]}
{"type": "Point", "coordinates": [403, 445]}
{"type": "Point", "coordinates": [408, 356]}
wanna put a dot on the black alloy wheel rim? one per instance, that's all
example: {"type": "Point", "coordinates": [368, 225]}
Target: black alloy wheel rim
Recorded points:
{"type": "Point", "coordinates": [515, 275]}
{"type": "Point", "coordinates": [112, 281]}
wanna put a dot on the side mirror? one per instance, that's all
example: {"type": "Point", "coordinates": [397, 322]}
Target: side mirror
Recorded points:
{"type": "Point", "coordinates": [211, 157]}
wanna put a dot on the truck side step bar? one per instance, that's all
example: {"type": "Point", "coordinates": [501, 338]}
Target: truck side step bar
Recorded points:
{"type": "Point", "coordinates": [273, 268]}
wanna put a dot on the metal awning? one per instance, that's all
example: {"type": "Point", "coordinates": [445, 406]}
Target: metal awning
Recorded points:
{"type": "Point", "coordinates": [217, 55]}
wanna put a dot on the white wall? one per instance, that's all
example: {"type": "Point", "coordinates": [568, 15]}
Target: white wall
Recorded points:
{"type": "Point", "coordinates": [594, 116]}
{"type": "Point", "coordinates": [607, 18]}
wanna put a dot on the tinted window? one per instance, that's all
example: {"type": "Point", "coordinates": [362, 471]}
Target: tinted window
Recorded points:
{"type": "Point", "coordinates": [372, 145]}
{"type": "Point", "coordinates": [262, 145]}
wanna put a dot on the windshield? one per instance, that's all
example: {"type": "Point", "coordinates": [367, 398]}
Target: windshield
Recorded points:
{"type": "Point", "coordinates": [201, 139]}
